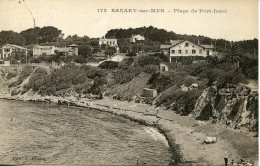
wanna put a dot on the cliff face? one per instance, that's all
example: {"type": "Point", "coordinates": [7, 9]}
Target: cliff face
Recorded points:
{"type": "Point", "coordinates": [234, 105]}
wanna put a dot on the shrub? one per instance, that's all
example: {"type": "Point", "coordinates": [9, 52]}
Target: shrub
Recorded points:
{"type": "Point", "coordinates": [15, 92]}
{"type": "Point", "coordinates": [80, 88]}
{"type": "Point", "coordinates": [170, 98]}
{"type": "Point", "coordinates": [70, 76]}
{"type": "Point", "coordinates": [125, 75]}
{"type": "Point", "coordinates": [11, 75]}
{"type": "Point", "coordinates": [80, 59]}
{"type": "Point", "coordinates": [38, 79]}
{"type": "Point", "coordinates": [233, 77]}
{"type": "Point", "coordinates": [110, 50]}
{"type": "Point", "coordinates": [189, 101]}
{"type": "Point", "coordinates": [12, 84]}
{"type": "Point", "coordinates": [160, 82]}
{"type": "Point", "coordinates": [26, 88]}
{"type": "Point", "coordinates": [126, 63]}
{"type": "Point", "coordinates": [85, 67]}
{"type": "Point", "coordinates": [151, 69]}
{"type": "Point", "coordinates": [252, 73]}
{"type": "Point", "coordinates": [27, 70]}
{"type": "Point", "coordinates": [162, 56]}
{"type": "Point", "coordinates": [95, 72]}
{"type": "Point", "coordinates": [147, 60]}
{"type": "Point", "coordinates": [80, 79]}
{"type": "Point", "coordinates": [109, 65]}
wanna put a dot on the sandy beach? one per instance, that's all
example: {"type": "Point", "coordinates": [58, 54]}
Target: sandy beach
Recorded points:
{"type": "Point", "coordinates": [182, 132]}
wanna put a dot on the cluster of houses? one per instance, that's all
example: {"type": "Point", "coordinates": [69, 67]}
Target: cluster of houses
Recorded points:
{"type": "Point", "coordinates": [176, 48]}
{"type": "Point", "coordinates": [10, 49]}
{"type": "Point", "coordinates": [51, 50]}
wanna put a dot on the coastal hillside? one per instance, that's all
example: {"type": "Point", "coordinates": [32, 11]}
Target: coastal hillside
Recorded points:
{"type": "Point", "coordinates": [197, 96]}
{"type": "Point", "coordinates": [215, 91]}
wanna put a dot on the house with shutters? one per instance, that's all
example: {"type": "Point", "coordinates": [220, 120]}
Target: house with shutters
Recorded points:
{"type": "Point", "coordinates": [72, 50]}
{"type": "Point", "coordinates": [51, 50]}
{"type": "Point", "coordinates": [136, 38]}
{"type": "Point", "coordinates": [110, 42]}
{"type": "Point", "coordinates": [43, 50]}
{"type": "Point", "coordinates": [10, 49]}
{"type": "Point", "coordinates": [184, 48]}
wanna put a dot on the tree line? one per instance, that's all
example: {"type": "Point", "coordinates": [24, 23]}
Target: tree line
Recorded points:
{"type": "Point", "coordinates": [163, 37]}
{"type": "Point", "coordinates": [154, 37]}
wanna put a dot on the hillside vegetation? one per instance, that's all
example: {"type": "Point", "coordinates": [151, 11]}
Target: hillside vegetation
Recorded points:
{"type": "Point", "coordinates": [211, 89]}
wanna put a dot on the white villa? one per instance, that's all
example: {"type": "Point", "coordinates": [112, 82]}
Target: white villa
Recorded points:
{"type": "Point", "coordinates": [184, 48]}
{"type": "Point", "coordinates": [135, 38]}
{"type": "Point", "coordinates": [9, 49]}
{"type": "Point", "coordinates": [40, 50]}
{"type": "Point", "coordinates": [110, 42]}
{"type": "Point", "coordinates": [51, 50]}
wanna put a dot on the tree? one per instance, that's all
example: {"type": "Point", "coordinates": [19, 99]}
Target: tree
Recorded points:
{"type": "Point", "coordinates": [80, 59]}
{"type": "Point", "coordinates": [85, 51]}
{"type": "Point", "coordinates": [233, 55]}
{"type": "Point", "coordinates": [162, 56]}
{"type": "Point", "coordinates": [110, 50]}
{"type": "Point", "coordinates": [31, 35]}
{"type": "Point", "coordinates": [42, 35]}
{"type": "Point", "coordinates": [49, 34]}
{"type": "Point", "coordinates": [10, 37]}
{"type": "Point", "coordinates": [147, 60]}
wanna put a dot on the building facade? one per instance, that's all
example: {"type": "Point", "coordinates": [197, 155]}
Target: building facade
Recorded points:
{"type": "Point", "coordinates": [43, 50]}
{"type": "Point", "coordinates": [186, 48]}
{"type": "Point", "coordinates": [110, 42]}
{"type": "Point", "coordinates": [136, 38]}
{"type": "Point", "coordinates": [10, 49]}
{"type": "Point", "coordinates": [71, 50]}
{"type": "Point", "coordinates": [51, 50]}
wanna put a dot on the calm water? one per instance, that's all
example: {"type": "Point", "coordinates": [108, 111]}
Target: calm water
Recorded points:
{"type": "Point", "coordinates": [40, 133]}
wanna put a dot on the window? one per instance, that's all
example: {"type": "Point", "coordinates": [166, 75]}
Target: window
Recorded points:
{"type": "Point", "coordinates": [186, 51]}
{"type": "Point", "coordinates": [173, 51]}
{"type": "Point", "coordinates": [193, 51]}
{"type": "Point", "coordinates": [179, 51]}
{"type": "Point", "coordinates": [200, 51]}
{"type": "Point", "coordinates": [186, 44]}
{"type": "Point", "coordinates": [7, 50]}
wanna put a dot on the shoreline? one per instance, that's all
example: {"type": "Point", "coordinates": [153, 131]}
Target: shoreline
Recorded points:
{"type": "Point", "coordinates": [172, 147]}
{"type": "Point", "coordinates": [184, 141]}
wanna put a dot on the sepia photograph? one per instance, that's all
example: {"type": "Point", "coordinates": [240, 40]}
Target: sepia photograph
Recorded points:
{"type": "Point", "coordinates": [129, 82]}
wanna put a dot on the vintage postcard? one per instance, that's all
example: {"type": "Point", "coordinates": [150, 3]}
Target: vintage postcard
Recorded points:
{"type": "Point", "coordinates": [133, 82]}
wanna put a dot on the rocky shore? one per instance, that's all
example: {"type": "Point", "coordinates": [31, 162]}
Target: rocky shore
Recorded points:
{"type": "Point", "coordinates": [185, 135]}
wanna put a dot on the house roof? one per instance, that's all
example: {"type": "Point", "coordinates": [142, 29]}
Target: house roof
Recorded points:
{"type": "Point", "coordinates": [165, 46]}
{"type": "Point", "coordinates": [135, 35]}
{"type": "Point", "coordinates": [63, 49]}
{"type": "Point", "coordinates": [174, 42]}
{"type": "Point", "coordinates": [45, 47]}
{"type": "Point", "coordinates": [16, 46]}
{"type": "Point", "coordinates": [73, 45]}
{"type": "Point", "coordinates": [208, 46]}
{"type": "Point", "coordinates": [106, 39]}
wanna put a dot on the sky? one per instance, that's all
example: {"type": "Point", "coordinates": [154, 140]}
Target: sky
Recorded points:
{"type": "Point", "coordinates": [238, 22]}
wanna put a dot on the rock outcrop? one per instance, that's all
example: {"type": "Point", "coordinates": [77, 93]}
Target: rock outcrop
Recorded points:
{"type": "Point", "coordinates": [234, 105]}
